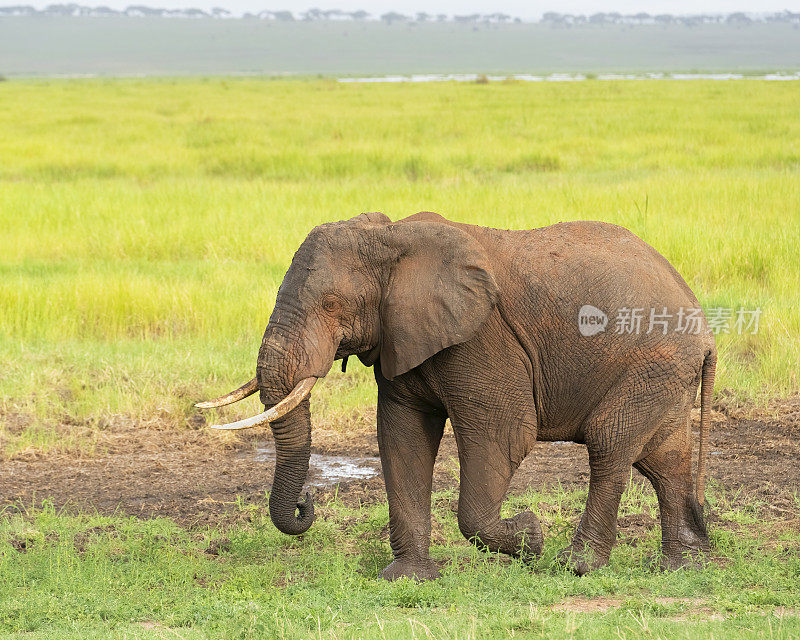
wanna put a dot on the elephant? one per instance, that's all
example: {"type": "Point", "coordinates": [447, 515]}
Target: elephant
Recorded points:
{"type": "Point", "coordinates": [507, 334]}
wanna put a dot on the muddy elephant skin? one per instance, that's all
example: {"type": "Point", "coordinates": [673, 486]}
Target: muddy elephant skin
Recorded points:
{"type": "Point", "coordinates": [515, 336]}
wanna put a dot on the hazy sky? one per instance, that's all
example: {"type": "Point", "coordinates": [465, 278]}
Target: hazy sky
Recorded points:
{"type": "Point", "coordinates": [521, 8]}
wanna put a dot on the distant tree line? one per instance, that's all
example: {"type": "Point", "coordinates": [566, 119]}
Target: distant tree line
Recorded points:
{"type": "Point", "coordinates": [737, 18]}
{"type": "Point", "coordinates": [550, 18]}
{"type": "Point", "coordinates": [138, 11]}
{"type": "Point", "coordinates": [218, 12]}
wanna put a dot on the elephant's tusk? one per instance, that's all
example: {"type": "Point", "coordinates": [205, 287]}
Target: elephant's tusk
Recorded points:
{"type": "Point", "coordinates": [297, 395]}
{"type": "Point", "coordinates": [247, 389]}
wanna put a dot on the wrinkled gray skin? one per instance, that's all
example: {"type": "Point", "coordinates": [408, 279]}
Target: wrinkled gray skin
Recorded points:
{"type": "Point", "coordinates": [481, 326]}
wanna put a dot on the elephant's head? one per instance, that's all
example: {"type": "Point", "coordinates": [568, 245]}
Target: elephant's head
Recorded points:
{"type": "Point", "coordinates": [390, 293]}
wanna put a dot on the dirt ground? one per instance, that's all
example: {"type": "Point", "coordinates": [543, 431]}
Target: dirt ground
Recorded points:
{"type": "Point", "coordinates": [195, 475]}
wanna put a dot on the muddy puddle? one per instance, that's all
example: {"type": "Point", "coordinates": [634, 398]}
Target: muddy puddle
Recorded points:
{"type": "Point", "coordinates": [325, 470]}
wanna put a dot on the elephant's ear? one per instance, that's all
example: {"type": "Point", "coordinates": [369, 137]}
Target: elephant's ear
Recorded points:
{"type": "Point", "coordinates": [440, 291]}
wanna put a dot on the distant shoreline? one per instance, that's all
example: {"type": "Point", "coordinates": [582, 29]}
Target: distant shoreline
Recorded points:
{"type": "Point", "coordinates": [475, 78]}
{"type": "Point", "coordinates": [565, 77]}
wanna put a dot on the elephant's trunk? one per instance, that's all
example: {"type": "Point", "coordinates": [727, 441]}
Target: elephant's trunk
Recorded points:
{"type": "Point", "coordinates": [286, 368]}
{"type": "Point", "coordinates": [295, 351]}
{"type": "Point", "coordinates": [292, 451]}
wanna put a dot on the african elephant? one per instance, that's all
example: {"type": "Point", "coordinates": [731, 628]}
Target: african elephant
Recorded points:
{"type": "Point", "coordinates": [489, 328]}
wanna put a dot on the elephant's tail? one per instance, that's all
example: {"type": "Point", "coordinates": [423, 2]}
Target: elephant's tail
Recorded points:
{"type": "Point", "coordinates": [706, 390]}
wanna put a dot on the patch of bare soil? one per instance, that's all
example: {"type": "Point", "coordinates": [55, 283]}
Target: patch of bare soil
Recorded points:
{"type": "Point", "coordinates": [600, 604]}
{"type": "Point", "coordinates": [196, 476]}
{"type": "Point", "coordinates": [693, 608]}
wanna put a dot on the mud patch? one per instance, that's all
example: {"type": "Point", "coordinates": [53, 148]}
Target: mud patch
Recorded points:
{"type": "Point", "coordinates": [199, 477]}
{"type": "Point", "coordinates": [220, 545]}
{"type": "Point", "coordinates": [21, 545]}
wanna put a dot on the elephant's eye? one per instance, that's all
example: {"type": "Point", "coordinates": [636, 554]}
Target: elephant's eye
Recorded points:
{"type": "Point", "coordinates": [331, 304]}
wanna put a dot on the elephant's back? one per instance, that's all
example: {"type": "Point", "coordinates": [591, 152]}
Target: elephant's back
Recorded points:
{"type": "Point", "coordinates": [597, 286]}
{"type": "Point", "coordinates": [556, 271]}
{"type": "Point", "coordinates": [601, 259]}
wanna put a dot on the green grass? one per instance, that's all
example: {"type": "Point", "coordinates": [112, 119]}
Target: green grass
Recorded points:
{"type": "Point", "coordinates": [88, 576]}
{"type": "Point", "coordinates": [146, 224]}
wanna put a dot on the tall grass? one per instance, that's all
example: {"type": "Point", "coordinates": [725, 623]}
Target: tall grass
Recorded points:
{"type": "Point", "coordinates": [145, 224]}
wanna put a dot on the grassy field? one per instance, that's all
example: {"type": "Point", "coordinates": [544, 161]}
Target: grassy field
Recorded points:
{"type": "Point", "coordinates": [145, 226]}
{"type": "Point", "coordinates": [48, 45]}
{"type": "Point", "coordinates": [115, 577]}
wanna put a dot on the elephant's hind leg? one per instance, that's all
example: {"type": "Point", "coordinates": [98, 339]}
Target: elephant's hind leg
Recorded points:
{"type": "Point", "coordinates": [668, 466]}
{"type": "Point", "coordinates": [591, 545]}
{"type": "Point", "coordinates": [615, 435]}
{"type": "Point", "coordinates": [485, 475]}
{"type": "Point", "coordinates": [408, 441]}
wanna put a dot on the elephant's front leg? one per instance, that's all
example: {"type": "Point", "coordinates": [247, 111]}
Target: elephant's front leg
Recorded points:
{"type": "Point", "coordinates": [408, 441]}
{"type": "Point", "coordinates": [486, 471]}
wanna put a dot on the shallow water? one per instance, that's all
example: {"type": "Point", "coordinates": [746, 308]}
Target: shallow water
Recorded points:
{"type": "Point", "coordinates": [567, 77]}
{"type": "Point", "coordinates": [325, 470]}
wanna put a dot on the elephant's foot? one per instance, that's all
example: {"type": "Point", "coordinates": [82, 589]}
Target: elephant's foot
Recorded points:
{"type": "Point", "coordinates": [417, 569]}
{"type": "Point", "coordinates": [674, 560]}
{"type": "Point", "coordinates": [581, 558]}
{"type": "Point", "coordinates": [527, 539]}
{"type": "Point", "coordinates": [677, 555]}
{"type": "Point", "coordinates": [519, 536]}
{"type": "Point", "coordinates": [684, 545]}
